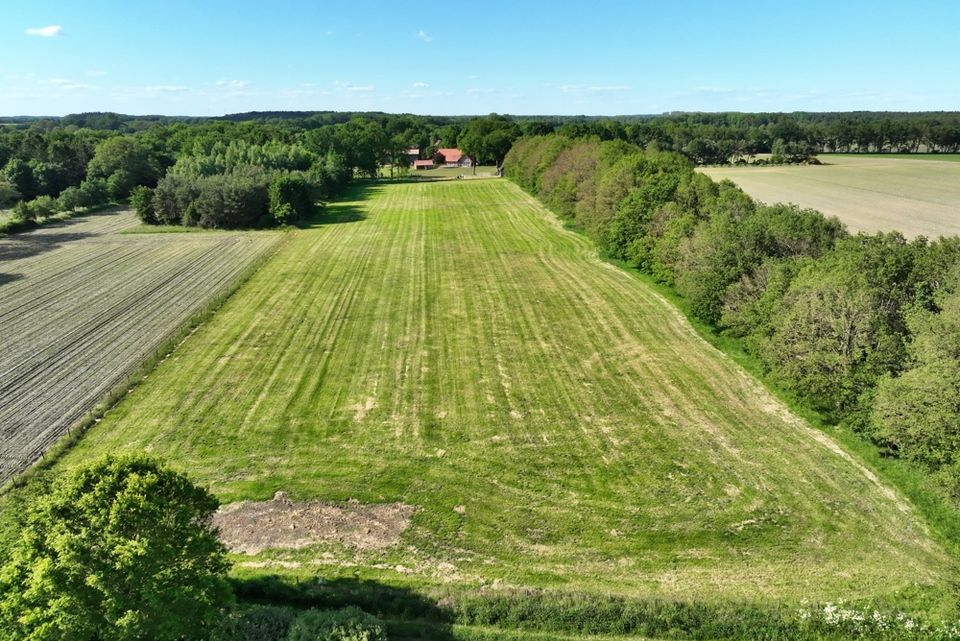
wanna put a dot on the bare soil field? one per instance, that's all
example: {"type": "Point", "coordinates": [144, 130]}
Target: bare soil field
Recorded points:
{"type": "Point", "coordinates": [869, 194]}
{"type": "Point", "coordinates": [82, 305]}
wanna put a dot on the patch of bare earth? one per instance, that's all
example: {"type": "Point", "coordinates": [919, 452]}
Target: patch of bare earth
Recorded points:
{"type": "Point", "coordinates": [250, 527]}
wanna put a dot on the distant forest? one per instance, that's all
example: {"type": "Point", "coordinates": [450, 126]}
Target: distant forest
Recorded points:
{"type": "Point", "coordinates": [266, 168]}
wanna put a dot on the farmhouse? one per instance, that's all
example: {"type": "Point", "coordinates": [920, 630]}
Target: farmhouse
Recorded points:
{"type": "Point", "coordinates": [453, 158]}
{"type": "Point", "coordinates": [423, 164]}
{"type": "Point", "coordinates": [413, 154]}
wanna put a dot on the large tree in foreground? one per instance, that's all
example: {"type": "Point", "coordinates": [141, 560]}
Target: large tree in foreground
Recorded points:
{"type": "Point", "coordinates": [122, 549]}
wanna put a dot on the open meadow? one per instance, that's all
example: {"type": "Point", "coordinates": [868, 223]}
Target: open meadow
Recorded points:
{"type": "Point", "coordinates": [868, 193]}
{"type": "Point", "coordinates": [487, 403]}
{"type": "Point", "coordinates": [82, 305]}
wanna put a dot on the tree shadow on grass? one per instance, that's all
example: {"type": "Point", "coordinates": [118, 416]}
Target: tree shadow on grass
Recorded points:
{"type": "Point", "coordinates": [408, 615]}
{"type": "Point", "coordinates": [28, 245]}
{"type": "Point", "coordinates": [47, 236]}
{"type": "Point", "coordinates": [9, 278]}
{"type": "Point", "coordinates": [343, 210]}
{"type": "Point", "coordinates": [333, 215]}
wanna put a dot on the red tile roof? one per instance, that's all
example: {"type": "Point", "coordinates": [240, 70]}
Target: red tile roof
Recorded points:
{"type": "Point", "coordinates": [423, 163]}
{"type": "Point", "coordinates": [450, 154]}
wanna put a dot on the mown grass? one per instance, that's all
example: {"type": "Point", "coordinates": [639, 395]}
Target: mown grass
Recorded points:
{"type": "Point", "coordinates": [557, 422]}
{"type": "Point", "coordinates": [869, 193]}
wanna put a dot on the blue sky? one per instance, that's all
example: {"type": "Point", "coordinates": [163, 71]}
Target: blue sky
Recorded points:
{"type": "Point", "coordinates": [562, 57]}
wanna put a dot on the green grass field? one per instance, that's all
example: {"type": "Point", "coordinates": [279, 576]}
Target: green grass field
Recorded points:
{"type": "Point", "coordinates": [555, 421]}
{"type": "Point", "coordinates": [483, 171]}
{"type": "Point", "coordinates": [869, 193]}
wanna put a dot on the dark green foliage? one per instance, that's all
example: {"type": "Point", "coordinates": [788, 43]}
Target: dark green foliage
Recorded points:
{"type": "Point", "coordinates": [917, 414]}
{"type": "Point", "coordinates": [291, 197]}
{"type": "Point", "coordinates": [18, 173]}
{"type": "Point", "coordinates": [48, 177]}
{"type": "Point", "coordinates": [94, 192]}
{"type": "Point", "coordinates": [231, 200]}
{"type": "Point", "coordinates": [487, 140]}
{"type": "Point", "coordinates": [348, 624]}
{"type": "Point", "coordinates": [125, 163]}
{"type": "Point", "coordinates": [9, 194]}
{"type": "Point", "coordinates": [256, 623]}
{"type": "Point", "coordinates": [24, 213]}
{"type": "Point", "coordinates": [141, 199]}
{"type": "Point", "coordinates": [121, 549]}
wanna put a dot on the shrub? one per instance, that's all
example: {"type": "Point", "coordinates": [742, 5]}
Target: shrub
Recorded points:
{"type": "Point", "coordinates": [120, 183]}
{"type": "Point", "coordinates": [94, 192]}
{"type": "Point", "coordinates": [348, 624]}
{"type": "Point", "coordinates": [23, 212]}
{"type": "Point", "coordinates": [43, 207]}
{"type": "Point", "coordinates": [141, 199]}
{"type": "Point", "coordinates": [70, 199]}
{"type": "Point", "coordinates": [259, 623]}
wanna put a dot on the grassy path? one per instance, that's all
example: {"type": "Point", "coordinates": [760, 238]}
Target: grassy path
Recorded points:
{"type": "Point", "coordinates": [556, 422]}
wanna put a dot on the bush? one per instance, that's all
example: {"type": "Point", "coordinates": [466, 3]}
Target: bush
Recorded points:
{"type": "Point", "coordinates": [120, 184]}
{"type": "Point", "coordinates": [94, 192]}
{"type": "Point", "coordinates": [23, 212]}
{"type": "Point", "coordinates": [141, 199]}
{"type": "Point", "coordinates": [70, 199]}
{"type": "Point", "coordinates": [348, 624]}
{"type": "Point", "coordinates": [259, 623]}
{"type": "Point", "coordinates": [291, 197]}
{"type": "Point", "coordinates": [43, 207]}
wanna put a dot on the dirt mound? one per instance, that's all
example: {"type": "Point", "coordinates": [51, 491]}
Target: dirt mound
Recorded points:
{"type": "Point", "coordinates": [253, 526]}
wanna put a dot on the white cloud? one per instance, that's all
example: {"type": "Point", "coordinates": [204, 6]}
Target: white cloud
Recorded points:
{"type": "Point", "coordinates": [233, 84]}
{"type": "Point", "coordinates": [45, 32]}
{"type": "Point", "coordinates": [592, 88]}
{"type": "Point", "coordinates": [346, 86]}
{"type": "Point", "coordinates": [165, 88]}
{"type": "Point", "coordinates": [420, 85]}
{"type": "Point", "coordinates": [96, 73]}
{"type": "Point", "coordinates": [423, 36]}
{"type": "Point", "coordinates": [69, 85]}
{"type": "Point", "coordinates": [713, 90]}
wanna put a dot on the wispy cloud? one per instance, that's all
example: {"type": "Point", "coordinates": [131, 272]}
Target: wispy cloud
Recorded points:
{"type": "Point", "coordinates": [68, 85]}
{"type": "Point", "coordinates": [346, 86]}
{"type": "Point", "coordinates": [592, 89]}
{"type": "Point", "coordinates": [96, 73]}
{"type": "Point", "coordinates": [233, 84]}
{"type": "Point", "coordinates": [422, 35]}
{"type": "Point", "coordinates": [420, 85]}
{"type": "Point", "coordinates": [165, 88]}
{"type": "Point", "coordinates": [50, 31]}
{"type": "Point", "coordinates": [715, 90]}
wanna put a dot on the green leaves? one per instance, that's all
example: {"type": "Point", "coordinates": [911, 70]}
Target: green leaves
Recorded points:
{"type": "Point", "coordinates": [120, 549]}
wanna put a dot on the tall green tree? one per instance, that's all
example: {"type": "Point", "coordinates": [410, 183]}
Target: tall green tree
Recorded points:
{"type": "Point", "coordinates": [126, 161]}
{"type": "Point", "coordinates": [120, 550]}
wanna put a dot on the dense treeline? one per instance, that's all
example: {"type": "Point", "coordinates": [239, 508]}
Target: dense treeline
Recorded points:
{"type": "Point", "coordinates": [220, 173]}
{"type": "Point", "coordinates": [40, 159]}
{"type": "Point", "coordinates": [864, 328]}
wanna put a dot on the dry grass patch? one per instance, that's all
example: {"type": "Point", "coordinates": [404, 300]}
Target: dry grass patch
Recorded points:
{"type": "Point", "coordinates": [870, 194]}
